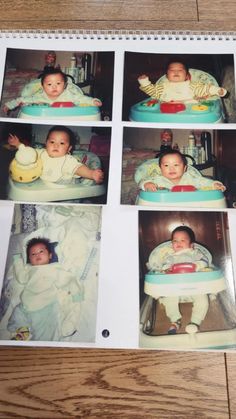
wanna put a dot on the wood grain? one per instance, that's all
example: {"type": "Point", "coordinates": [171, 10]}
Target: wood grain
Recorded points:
{"type": "Point", "coordinates": [115, 10]}
{"type": "Point", "coordinates": [212, 11]}
{"type": "Point", "coordinates": [63, 383]}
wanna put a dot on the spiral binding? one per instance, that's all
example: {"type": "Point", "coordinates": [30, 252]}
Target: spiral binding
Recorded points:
{"type": "Point", "coordinates": [119, 34]}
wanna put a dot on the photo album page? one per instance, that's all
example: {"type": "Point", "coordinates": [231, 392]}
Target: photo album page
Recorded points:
{"type": "Point", "coordinates": [118, 190]}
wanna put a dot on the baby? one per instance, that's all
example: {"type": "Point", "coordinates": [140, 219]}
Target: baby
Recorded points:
{"type": "Point", "coordinates": [184, 251]}
{"type": "Point", "coordinates": [49, 306]}
{"type": "Point", "coordinates": [54, 88]}
{"type": "Point", "coordinates": [59, 166]}
{"type": "Point", "coordinates": [178, 86]}
{"type": "Point", "coordinates": [175, 171]}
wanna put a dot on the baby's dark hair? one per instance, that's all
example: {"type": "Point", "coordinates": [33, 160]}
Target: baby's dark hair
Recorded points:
{"type": "Point", "coordinates": [34, 241]}
{"type": "Point", "coordinates": [68, 131]}
{"type": "Point", "coordinates": [172, 152]}
{"type": "Point", "coordinates": [179, 61]}
{"type": "Point", "coordinates": [187, 230]}
{"type": "Point", "coordinates": [51, 71]}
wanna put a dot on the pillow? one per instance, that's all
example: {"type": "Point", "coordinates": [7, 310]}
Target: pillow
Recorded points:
{"type": "Point", "coordinates": [54, 235]}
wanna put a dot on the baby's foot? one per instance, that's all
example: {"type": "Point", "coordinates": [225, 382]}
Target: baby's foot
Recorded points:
{"type": "Point", "coordinates": [22, 333]}
{"type": "Point", "coordinates": [174, 327]}
{"type": "Point", "coordinates": [68, 329]}
{"type": "Point", "coordinates": [192, 328]}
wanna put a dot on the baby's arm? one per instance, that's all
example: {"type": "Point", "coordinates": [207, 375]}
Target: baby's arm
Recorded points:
{"type": "Point", "coordinates": [12, 104]}
{"type": "Point", "coordinates": [95, 174]}
{"type": "Point", "coordinates": [200, 260]}
{"type": "Point", "coordinates": [154, 183]}
{"type": "Point", "coordinates": [23, 100]}
{"type": "Point", "coordinates": [14, 140]}
{"type": "Point", "coordinates": [155, 91]}
{"type": "Point", "coordinates": [196, 179]}
{"type": "Point", "coordinates": [216, 90]}
{"type": "Point", "coordinates": [77, 96]}
{"type": "Point", "coordinates": [20, 270]}
{"type": "Point", "coordinates": [202, 90]}
{"type": "Point", "coordinates": [143, 80]}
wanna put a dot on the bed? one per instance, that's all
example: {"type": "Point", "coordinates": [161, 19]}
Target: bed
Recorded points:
{"type": "Point", "coordinates": [75, 231]}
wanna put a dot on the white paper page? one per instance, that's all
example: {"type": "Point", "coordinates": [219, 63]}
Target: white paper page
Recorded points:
{"type": "Point", "coordinates": [118, 309]}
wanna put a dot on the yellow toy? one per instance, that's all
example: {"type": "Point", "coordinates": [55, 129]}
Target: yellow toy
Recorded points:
{"type": "Point", "coordinates": [26, 166]}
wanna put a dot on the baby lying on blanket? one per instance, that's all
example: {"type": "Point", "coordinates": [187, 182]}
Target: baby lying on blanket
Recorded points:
{"type": "Point", "coordinates": [50, 301]}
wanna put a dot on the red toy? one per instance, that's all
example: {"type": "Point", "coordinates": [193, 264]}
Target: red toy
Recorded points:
{"type": "Point", "coordinates": [150, 103]}
{"type": "Point", "coordinates": [182, 268]}
{"type": "Point", "coordinates": [172, 107]}
{"type": "Point", "coordinates": [62, 104]}
{"type": "Point", "coordinates": [183, 188]}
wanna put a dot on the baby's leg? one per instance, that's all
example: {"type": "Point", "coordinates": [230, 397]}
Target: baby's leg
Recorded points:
{"type": "Point", "coordinates": [46, 323]}
{"type": "Point", "coordinates": [200, 308]}
{"type": "Point", "coordinates": [172, 308]}
{"type": "Point", "coordinates": [71, 319]}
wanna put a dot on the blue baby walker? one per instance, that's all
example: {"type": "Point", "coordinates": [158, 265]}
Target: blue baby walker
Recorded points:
{"type": "Point", "coordinates": [58, 110]}
{"type": "Point", "coordinates": [179, 195]}
{"type": "Point", "coordinates": [209, 110]}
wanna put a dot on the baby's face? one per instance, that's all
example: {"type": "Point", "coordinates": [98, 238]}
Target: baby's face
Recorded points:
{"type": "Point", "coordinates": [176, 72]}
{"type": "Point", "coordinates": [172, 167]}
{"type": "Point", "coordinates": [39, 255]}
{"type": "Point", "coordinates": [53, 85]}
{"type": "Point", "coordinates": [180, 241]}
{"type": "Point", "coordinates": [58, 144]}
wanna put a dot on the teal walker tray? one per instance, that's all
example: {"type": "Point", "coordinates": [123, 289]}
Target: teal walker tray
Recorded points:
{"type": "Point", "coordinates": [47, 111]}
{"type": "Point", "coordinates": [151, 110]}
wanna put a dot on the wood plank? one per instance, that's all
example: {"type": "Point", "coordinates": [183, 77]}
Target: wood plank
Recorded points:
{"type": "Point", "coordinates": [63, 383]}
{"type": "Point", "coordinates": [231, 379]}
{"type": "Point", "coordinates": [99, 10]}
{"type": "Point", "coordinates": [217, 11]}
{"type": "Point", "coordinates": [204, 26]}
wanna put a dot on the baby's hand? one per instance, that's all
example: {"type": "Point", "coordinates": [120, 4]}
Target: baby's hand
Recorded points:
{"type": "Point", "coordinates": [222, 92]}
{"type": "Point", "coordinates": [143, 76]}
{"type": "Point", "coordinates": [97, 102]}
{"type": "Point", "coordinates": [219, 186]}
{"type": "Point", "coordinates": [98, 175]}
{"type": "Point", "coordinates": [150, 186]}
{"type": "Point", "coordinates": [5, 109]}
{"type": "Point", "coordinates": [13, 140]}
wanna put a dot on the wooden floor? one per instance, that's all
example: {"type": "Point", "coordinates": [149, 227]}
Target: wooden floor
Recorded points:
{"type": "Point", "coordinates": [65, 383]}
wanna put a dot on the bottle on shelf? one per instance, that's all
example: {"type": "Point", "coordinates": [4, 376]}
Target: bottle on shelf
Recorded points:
{"type": "Point", "coordinates": [73, 61]}
{"type": "Point", "coordinates": [166, 140]}
{"type": "Point", "coordinates": [202, 155]}
{"type": "Point", "coordinates": [86, 64]}
{"type": "Point", "coordinates": [206, 143]}
{"type": "Point", "coordinates": [192, 149]}
{"type": "Point", "coordinates": [191, 140]}
{"type": "Point", "coordinates": [81, 75]}
{"type": "Point", "coordinates": [50, 60]}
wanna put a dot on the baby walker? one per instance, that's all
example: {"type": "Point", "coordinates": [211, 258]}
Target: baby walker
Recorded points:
{"type": "Point", "coordinates": [180, 195]}
{"type": "Point", "coordinates": [182, 280]}
{"type": "Point", "coordinates": [202, 111]}
{"type": "Point", "coordinates": [30, 190]}
{"type": "Point", "coordinates": [65, 110]}
{"type": "Point", "coordinates": [58, 110]}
